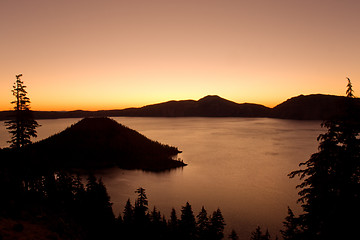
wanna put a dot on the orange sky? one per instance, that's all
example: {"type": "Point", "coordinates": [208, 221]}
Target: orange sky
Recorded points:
{"type": "Point", "coordinates": [108, 54]}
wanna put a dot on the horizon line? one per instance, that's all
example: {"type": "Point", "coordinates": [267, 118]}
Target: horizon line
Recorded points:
{"type": "Point", "coordinates": [210, 95]}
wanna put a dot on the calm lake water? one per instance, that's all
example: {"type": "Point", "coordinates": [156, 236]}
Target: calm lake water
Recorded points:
{"type": "Point", "coordinates": [237, 164]}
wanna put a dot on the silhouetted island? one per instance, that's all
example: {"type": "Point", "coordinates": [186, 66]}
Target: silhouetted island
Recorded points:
{"type": "Point", "coordinates": [98, 143]}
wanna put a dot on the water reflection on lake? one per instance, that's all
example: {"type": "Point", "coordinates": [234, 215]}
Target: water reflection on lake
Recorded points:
{"type": "Point", "coordinates": [237, 164]}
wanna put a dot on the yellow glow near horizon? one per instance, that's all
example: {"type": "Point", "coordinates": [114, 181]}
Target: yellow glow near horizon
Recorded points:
{"type": "Point", "coordinates": [112, 55]}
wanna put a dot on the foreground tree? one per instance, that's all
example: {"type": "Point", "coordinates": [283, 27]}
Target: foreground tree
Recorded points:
{"type": "Point", "coordinates": [330, 191]}
{"type": "Point", "coordinates": [257, 234]}
{"type": "Point", "coordinates": [22, 127]}
{"type": "Point", "coordinates": [99, 218]}
{"type": "Point", "coordinates": [291, 227]}
{"type": "Point", "coordinates": [128, 213]}
{"type": "Point", "coordinates": [141, 207]}
{"type": "Point", "coordinates": [233, 235]}
{"type": "Point", "coordinates": [187, 223]}
{"type": "Point", "coordinates": [173, 222]}
{"type": "Point", "coordinates": [349, 90]}
{"type": "Point", "coordinates": [217, 224]}
{"type": "Point", "coordinates": [173, 225]}
{"type": "Point", "coordinates": [202, 224]}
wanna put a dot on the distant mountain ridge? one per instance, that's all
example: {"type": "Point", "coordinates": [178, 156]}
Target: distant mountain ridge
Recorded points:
{"type": "Point", "coordinates": [209, 106]}
{"type": "Point", "coordinates": [313, 107]}
{"type": "Point", "coordinates": [309, 107]}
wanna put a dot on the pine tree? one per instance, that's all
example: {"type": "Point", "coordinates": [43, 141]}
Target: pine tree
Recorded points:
{"type": "Point", "coordinates": [330, 191]}
{"type": "Point", "coordinates": [257, 234]}
{"type": "Point", "coordinates": [141, 201]}
{"type": "Point", "coordinates": [233, 235]}
{"type": "Point", "coordinates": [217, 224]}
{"type": "Point", "coordinates": [266, 236]}
{"type": "Point", "coordinates": [155, 216]}
{"type": "Point", "coordinates": [100, 218]}
{"type": "Point", "coordinates": [99, 199]}
{"type": "Point", "coordinates": [187, 222]}
{"type": "Point", "coordinates": [173, 225]}
{"type": "Point", "coordinates": [349, 90]}
{"type": "Point", "coordinates": [127, 229]}
{"type": "Point", "coordinates": [119, 220]}
{"type": "Point", "coordinates": [141, 207]}
{"type": "Point", "coordinates": [173, 222]}
{"type": "Point", "coordinates": [291, 227]}
{"type": "Point", "coordinates": [128, 213]}
{"type": "Point", "coordinates": [23, 126]}
{"type": "Point", "coordinates": [155, 231]}
{"type": "Point", "coordinates": [202, 224]}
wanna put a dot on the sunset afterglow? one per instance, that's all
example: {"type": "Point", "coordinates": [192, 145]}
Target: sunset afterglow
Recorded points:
{"type": "Point", "coordinates": [94, 55]}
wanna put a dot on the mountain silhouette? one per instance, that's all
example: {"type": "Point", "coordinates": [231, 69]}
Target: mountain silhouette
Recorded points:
{"type": "Point", "coordinates": [314, 107]}
{"type": "Point", "coordinates": [209, 106]}
{"type": "Point", "coordinates": [101, 142]}
{"type": "Point", "coordinates": [309, 107]}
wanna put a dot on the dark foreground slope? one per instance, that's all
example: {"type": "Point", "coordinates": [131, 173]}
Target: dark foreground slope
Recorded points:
{"type": "Point", "coordinates": [101, 142]}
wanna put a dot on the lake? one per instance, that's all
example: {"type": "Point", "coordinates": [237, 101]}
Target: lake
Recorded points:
{"type": "Point", "coordinates": [239, 165]}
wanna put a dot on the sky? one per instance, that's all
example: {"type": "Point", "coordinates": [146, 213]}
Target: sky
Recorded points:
{"type": "Point", "coordinates": [113, 54]}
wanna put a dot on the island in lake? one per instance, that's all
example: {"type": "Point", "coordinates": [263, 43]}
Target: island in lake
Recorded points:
{"type": "Point", "coordinates": [98, 143]}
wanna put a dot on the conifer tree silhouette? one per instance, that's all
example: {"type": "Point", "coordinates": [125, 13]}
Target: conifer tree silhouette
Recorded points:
{"type": "Point", "coordinates": [217, 225]}
{"type": "Point", "coordinates": [187, 222]}
{"type": "Point", "coordinates": [22, 127]}
{"type": "Point", "coordinates": [141, 207]}
{"type": "Point", "coordinates": [202, 224]}
{"type": "Point", "coordinates": [233, 235]}
{"type": "Point", "coordinates": [173, 225]}
{"type": "Point", "coordinates": [257, 234]}
{"type": "Point", "coordinates": [349, 90]}
{"type": "Point", "coordinates": [173, 222]}
{"type": "Point", "coordinates": [291, 227]}
{"type": "Point", "coordinates": [330, 191]}
{"type": "Point", "coordinates": [128, 213]}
